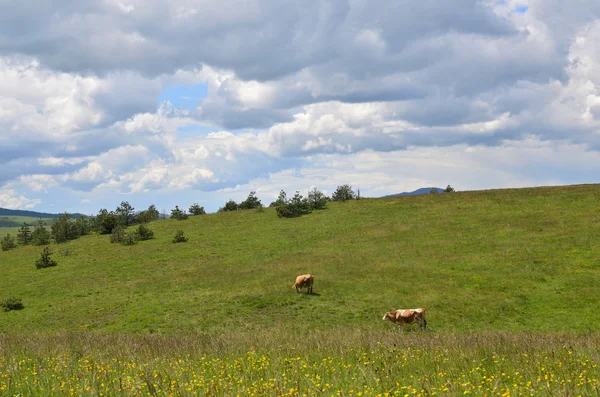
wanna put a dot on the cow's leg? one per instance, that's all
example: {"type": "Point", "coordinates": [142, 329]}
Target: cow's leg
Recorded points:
{"type": "Point", "coordinates": [310, 290]}
{"type": "Point", "coordinates": [297, 290]}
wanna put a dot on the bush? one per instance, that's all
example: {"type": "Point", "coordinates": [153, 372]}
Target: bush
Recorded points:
{"type": "Point", "coordinates": [130, 239]}
{"type": "Point", "coordinates": [144, 233]}
{"type": "Point", "coordinates": [448, 189]}
{"type": "Point", "coordinates": [118, 234]}
{"type": "Point", "coordinates": [45, 261]}
{"type": "Point", "coordinates": [11, 303]}
{"type": "Point", "coordinates": [179, 237]}
{"type": "Point", "coordinates": [8, 243]}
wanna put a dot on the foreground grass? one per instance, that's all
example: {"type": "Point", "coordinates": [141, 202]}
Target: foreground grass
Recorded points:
{"type": "Point", "coordinates": [347, 363]}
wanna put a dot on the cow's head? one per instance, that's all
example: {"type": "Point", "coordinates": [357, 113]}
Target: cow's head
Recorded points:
{"type": "Point", "coordinates": [389, 316]}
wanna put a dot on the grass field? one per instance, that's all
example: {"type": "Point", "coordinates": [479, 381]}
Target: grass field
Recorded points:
{"type": "Point", "coordinates": [12, 224]}
{"type": "Point", "coordinates": [521, 264]}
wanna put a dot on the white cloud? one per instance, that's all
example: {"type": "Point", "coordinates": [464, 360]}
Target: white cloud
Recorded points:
{"type": "Point", "coordinates": [13, 200]}
{"type": "Point", "coordinates": [302, 92]}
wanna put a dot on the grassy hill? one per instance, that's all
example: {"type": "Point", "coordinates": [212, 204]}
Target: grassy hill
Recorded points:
{"type": "Point", "coordinates": [517, 259]}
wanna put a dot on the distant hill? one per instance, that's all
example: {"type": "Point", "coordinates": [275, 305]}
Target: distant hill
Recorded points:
{"type": "Point", "coordinates": [32, 214]}
{"type": "Point", "coordinates": [423, 190]}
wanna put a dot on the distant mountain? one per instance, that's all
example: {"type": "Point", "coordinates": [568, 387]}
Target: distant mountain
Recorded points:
{"type": "Point", "coordinates": [423, 190]}
{"type": "Point", "coordinates": [7, 212]}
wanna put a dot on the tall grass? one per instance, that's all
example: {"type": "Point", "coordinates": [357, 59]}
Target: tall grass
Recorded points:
{"type": "Point", "coordinates": [337, 362]}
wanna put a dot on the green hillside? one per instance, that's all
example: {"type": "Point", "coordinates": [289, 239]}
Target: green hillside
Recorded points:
{"type": "Point", "coordinates": [518, 259]}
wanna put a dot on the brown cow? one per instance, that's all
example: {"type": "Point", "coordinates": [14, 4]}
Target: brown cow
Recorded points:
{"type": "Point", "coordinates": [407, 316]}
{"type": "Point", "coordinates": [305, 280]}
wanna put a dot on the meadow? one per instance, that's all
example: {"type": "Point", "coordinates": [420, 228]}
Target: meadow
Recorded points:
{"type": "Point", "coordinates": [509, 279]}
{"type": "Point", "coordinates": [12, 224]}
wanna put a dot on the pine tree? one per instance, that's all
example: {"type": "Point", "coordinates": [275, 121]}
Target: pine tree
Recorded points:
{"type": "Point", "coordinates": [45, 260]}
{"type": "Point", "coordinates": [40, 235]}
{"type": "Point", "coordinates": [24, 234]}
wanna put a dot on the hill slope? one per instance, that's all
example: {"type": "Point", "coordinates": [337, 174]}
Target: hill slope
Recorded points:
{"type": "Point", "coordinates": [504, 259]}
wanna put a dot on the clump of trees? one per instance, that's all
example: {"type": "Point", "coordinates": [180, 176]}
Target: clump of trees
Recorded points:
{"type": "Point", "coordinates": [45, 260]}
{"type": "Point", "coordinates": [146, 216]}
{"type": "Point", "coordinates": [299, 205]}
{"type": "Point", "coordinates": [195, 209]}
{"type": "Point", "coordinates": [449, 189]}
{"type": "Point", "coordinates": [66, 228]}
{"type": "Point", "coordinates": [251, 202]}
{"type": "Point", "coordinates": [343, 193]}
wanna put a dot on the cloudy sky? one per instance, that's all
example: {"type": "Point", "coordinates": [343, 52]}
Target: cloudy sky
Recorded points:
{"type": "Point", "coordinates": [184, 101]}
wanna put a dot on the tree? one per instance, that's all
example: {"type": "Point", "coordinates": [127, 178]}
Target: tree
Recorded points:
{"type": "Point", "coordinates": [281, 200]}
{"type": "Point", "coordinates": [125, 212]}
{"type": "Point", "coordinates": [229, 206]}
{"type": "Point", "coordinates": [24, 234]}
{"type": "Point", "coordinates": [195, 209]}
{"type": "Point", "coordinates": [449, 189]}
{"type": "Point", "coordinates": [251, 202]}
{"type": "Point", "coordinates": [296, 207]}
{"type": "Point", "coordinates": [63, 230]}
{"type": "Point", "coordinates": [433, 190]}
{"type": "Point", "coordinates": [45, 260]}
{"type": "Point", "coordinates": [178, 214]}
{"type": "Point", "coordinates": [8, 243]}
{"type": "Point", "coordinates": [316, 199]}
{"type": "Point", "coordinates": [40, 235]}
{"type": "Point", "coordinates": [106, 221]}
{"type": "Point", "coordinates": [149, 215]}
{"type": "Point", "coordinates": [82, 226]}
{"type": "Point", "coordinates": [343, 193]}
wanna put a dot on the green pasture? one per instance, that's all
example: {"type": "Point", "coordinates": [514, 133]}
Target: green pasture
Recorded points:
{"type": "Point", "coordinates": [504, 260]}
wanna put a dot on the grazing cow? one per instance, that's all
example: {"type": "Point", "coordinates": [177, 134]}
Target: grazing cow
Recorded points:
{"type": "Point", "coordinates": [407, 316]}
{"type": "Point", "coordinates": [305, 280]}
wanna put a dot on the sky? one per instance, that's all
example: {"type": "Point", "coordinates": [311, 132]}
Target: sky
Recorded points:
{"type": "Point", "coordinates": [195, 101]}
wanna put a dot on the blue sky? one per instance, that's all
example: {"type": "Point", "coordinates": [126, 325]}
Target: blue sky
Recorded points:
{"type": "Point", "coordinates": [171, 103]}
